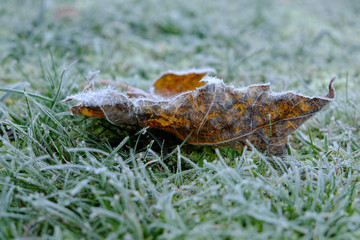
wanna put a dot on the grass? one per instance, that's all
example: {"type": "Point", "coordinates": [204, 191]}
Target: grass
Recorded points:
{"type": "Point", "coordinates": [68, 177]}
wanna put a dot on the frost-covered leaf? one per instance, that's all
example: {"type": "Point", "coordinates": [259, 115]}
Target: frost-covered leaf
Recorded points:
{"type": "Point", "coordinates": [208, 112]}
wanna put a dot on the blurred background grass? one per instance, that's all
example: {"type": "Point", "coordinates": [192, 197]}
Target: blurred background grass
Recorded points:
{"type": "Point", "coordinates": [284, 42]}
{"type": "Point", "coordinates": [49, 189]}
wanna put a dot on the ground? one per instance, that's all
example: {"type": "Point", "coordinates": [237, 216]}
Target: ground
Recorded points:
{"type": "Point", "coordinates": [70, 177]}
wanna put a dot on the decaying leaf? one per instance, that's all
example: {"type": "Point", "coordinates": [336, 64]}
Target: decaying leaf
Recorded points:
{"type": "Point", "coordinates": [206, 111]}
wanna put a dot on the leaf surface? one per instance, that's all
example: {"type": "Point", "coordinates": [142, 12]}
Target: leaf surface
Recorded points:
{"type": "Point", "coordinates": [173, 83]}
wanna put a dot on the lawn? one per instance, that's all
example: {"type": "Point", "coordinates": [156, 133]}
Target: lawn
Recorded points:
{"type": "Point", "coordinates": [72, 177]}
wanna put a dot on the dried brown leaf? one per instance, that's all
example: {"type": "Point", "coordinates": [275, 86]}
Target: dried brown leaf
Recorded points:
{"type": "Point", "coordinates": [211, 114]}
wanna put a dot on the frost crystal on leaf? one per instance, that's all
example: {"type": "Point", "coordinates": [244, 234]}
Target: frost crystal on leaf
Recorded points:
{"type": "Point", "coordinates": [101, 97]}
{"type": "Point", "coordinates": [212, 80]}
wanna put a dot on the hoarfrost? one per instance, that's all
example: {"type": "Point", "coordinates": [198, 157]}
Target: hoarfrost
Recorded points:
{"type": "Point", "coordinates": [193, 70]}
{"type": "Point", "coordinates": [212, 80]}
{"type": "Point", "coordinates": [101, 97]}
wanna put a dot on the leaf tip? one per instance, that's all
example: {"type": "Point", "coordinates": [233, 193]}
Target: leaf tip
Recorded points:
{"type": "Point", "coordinates": [331, 94]}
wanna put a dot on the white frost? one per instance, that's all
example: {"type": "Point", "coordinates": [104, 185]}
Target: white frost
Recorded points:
{"type": "Point", "coordinates": [212, 80]}
{"type": "Point", "coordinates": [193, 70]}
{"type": "Point", "coordinates": [101, 97]}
